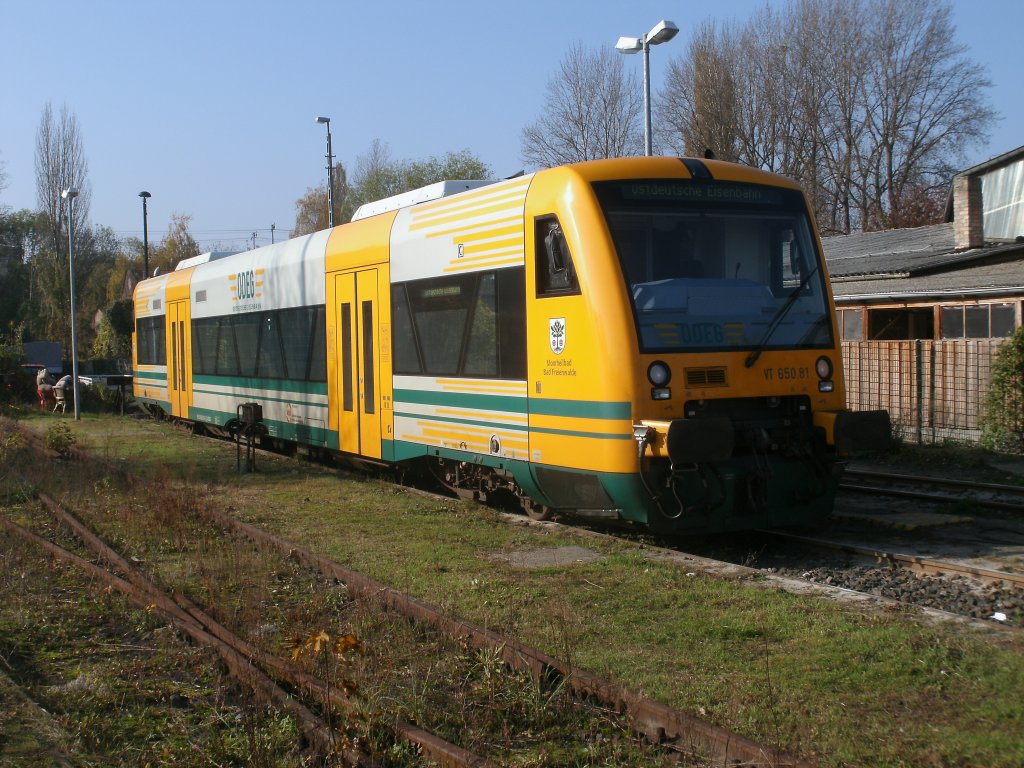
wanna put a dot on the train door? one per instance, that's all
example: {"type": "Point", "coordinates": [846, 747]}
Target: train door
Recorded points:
{"type": "Point", "coordinates": [177, 357]}
{"type": "Point", "coordinates": [358, 362]}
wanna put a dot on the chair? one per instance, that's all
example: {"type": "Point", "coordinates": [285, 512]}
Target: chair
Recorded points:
{"type": "Point", "coordinates": [62, 399]}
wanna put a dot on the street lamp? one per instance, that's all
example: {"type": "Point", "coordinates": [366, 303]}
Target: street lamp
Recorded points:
{"type": "Point", "coordinates": [662, 32]}
{"type": "Point", "coordinates": [145, 234]}
{"type": "Point", "coordinates": [330, 172]}
{"type": "Point", "coordinates": [70, 194]}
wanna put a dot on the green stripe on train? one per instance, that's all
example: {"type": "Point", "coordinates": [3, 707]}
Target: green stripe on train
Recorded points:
{"type": "Point", "coordinates": [149, 376]}
{"type": "Point", "coordinates": [583, 409]}
{"type": "Point", "coordinates": [275, 385]}
{"type": "Point", "coordinates": [519, 427]}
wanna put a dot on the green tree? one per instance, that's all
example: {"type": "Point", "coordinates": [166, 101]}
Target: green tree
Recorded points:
{"type": "Point", "coordinates": [452, 165]}
{"type": "Point", "coordinates": [377, 175]}
{"type": "Point", "coordinates": [126, 271]}
{"type": "Point", "coordinates": [114, 333]}
{"type": "Point", "coordinates": [1002, 421]}
{"type": "Point", "coordinates": [17, 237]}
{"type": "Point", "coordinates": [178, 244]}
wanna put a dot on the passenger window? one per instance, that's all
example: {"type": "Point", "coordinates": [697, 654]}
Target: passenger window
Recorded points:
{"type": "Point", "coordinates": [482, 354]}
{"type": "Point", "coordinates": [556, 275]}
{"type": "Point", "coordinates": [405, 349]}
{"type": "Point", "coordinates": [270, 359]}
{"type": "Point", "coordinates": [467, 325]}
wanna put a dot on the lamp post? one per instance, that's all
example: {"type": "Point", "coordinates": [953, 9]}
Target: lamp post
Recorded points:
{"type": "Point", "coordinates": [662, 32]}
{"type": "Point", "coordinates": [330, 172]}
{"type": "Point", "coordinates": [70, 194]}
{"type": "Point", "coordinates": [145, 234]}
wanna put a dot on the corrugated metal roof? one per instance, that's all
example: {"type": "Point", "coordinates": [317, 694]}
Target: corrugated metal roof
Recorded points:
{"type": "Point", "coordinates": [892, 252]}
{"type": "Point", "coordinates": [916, 264]}
{"type": "Point", "coordinates": [984, 280]}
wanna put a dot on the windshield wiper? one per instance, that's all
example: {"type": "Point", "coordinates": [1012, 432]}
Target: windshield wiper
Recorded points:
{"type": "Point", "coordinates": [778, 317]}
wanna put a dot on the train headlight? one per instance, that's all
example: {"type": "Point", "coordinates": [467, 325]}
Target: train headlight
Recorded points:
{"type": "Point", "coordinates": [659, 374]}
{"type": "Point", "coordinates": [823, 367]}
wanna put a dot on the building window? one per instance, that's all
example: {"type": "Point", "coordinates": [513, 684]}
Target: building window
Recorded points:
{"type": "Point", "coordinates": [1002, 320]}
{"type": "Point", "coordinates": [900, 324]}
{"type": "Point", "coordinates": [977, 321]}
{"type": "Point", "coordinates": [851, 324]}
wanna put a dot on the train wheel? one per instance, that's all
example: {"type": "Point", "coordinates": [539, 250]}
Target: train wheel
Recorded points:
{"type": "Point", "coordinates": [537, 511]}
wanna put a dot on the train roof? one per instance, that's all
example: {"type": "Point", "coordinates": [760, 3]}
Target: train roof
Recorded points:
{"type": "Point", "coordinates": [421, 195]}
{"type": "Point", "coordinates": [203, 258]}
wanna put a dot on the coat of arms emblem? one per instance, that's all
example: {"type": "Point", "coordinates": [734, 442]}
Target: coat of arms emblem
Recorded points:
{"type": "Point", "coordinates": [556, 334]}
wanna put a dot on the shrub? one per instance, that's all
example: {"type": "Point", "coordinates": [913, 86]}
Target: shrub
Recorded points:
{"type": "Point", "coordinates": [1002, 419]}
{"type": "Point", "coordinates": [97, 398]}
{"type": "Point", "coordinates": [59, 438]}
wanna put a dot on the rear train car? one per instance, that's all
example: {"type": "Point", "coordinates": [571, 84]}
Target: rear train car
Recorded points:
{"type": "Point", "coordinates": [652, 338]}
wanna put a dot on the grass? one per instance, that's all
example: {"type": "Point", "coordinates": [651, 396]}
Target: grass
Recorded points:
{"type": "Point", "coordinates": [110, 684]}
{"type": "Point", "coordinates": [842, 685]}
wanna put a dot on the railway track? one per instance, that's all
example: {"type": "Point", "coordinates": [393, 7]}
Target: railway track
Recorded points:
{"type": "Point", "coordinates": [1007, 498]}
{"type": "Point", "coordinates": [263, 673]}
{"type": "Point", "coordinates": [676, 732]}
{"type": "Point", "coordinates": [926, 566]}
{"type": "Point", "coordinates": [839, 578]}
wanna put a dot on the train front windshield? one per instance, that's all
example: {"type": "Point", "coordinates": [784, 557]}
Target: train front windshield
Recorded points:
{"type": "Point", "coordinates": [718, 265]}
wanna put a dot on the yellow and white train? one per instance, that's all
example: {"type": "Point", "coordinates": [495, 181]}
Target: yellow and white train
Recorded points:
{"type": "Point", "coordinates": [649, 337]}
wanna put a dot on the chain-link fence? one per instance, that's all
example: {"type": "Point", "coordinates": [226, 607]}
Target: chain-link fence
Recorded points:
{"type": "Point", "coordinates": [933, 390]}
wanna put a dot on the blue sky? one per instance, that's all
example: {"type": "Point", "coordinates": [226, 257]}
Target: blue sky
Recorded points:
{"type": "Point", "coordinates": [210, 105]}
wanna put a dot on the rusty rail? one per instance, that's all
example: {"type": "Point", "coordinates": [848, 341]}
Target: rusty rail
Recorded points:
{"type": "Point", "coordinates": [237, 653]}
{"type": "Point", "coordinates": [658, 722]}
{"type": "Point", "coordinates": [313, 728]}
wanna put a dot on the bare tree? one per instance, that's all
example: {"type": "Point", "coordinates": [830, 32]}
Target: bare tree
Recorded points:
{"type": "Point", "coordinates": [592, 110]}
{"type": "Point", "coordinates": [929, 105]}
{"type": "Point", "coordinates": [869, 103]}
{"type": "Point", "coordinates": [61, 164]}
{"type": "Point", "coordinates": [3, 182]}
{"type": "Point", "coordinates": [701, 103]}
